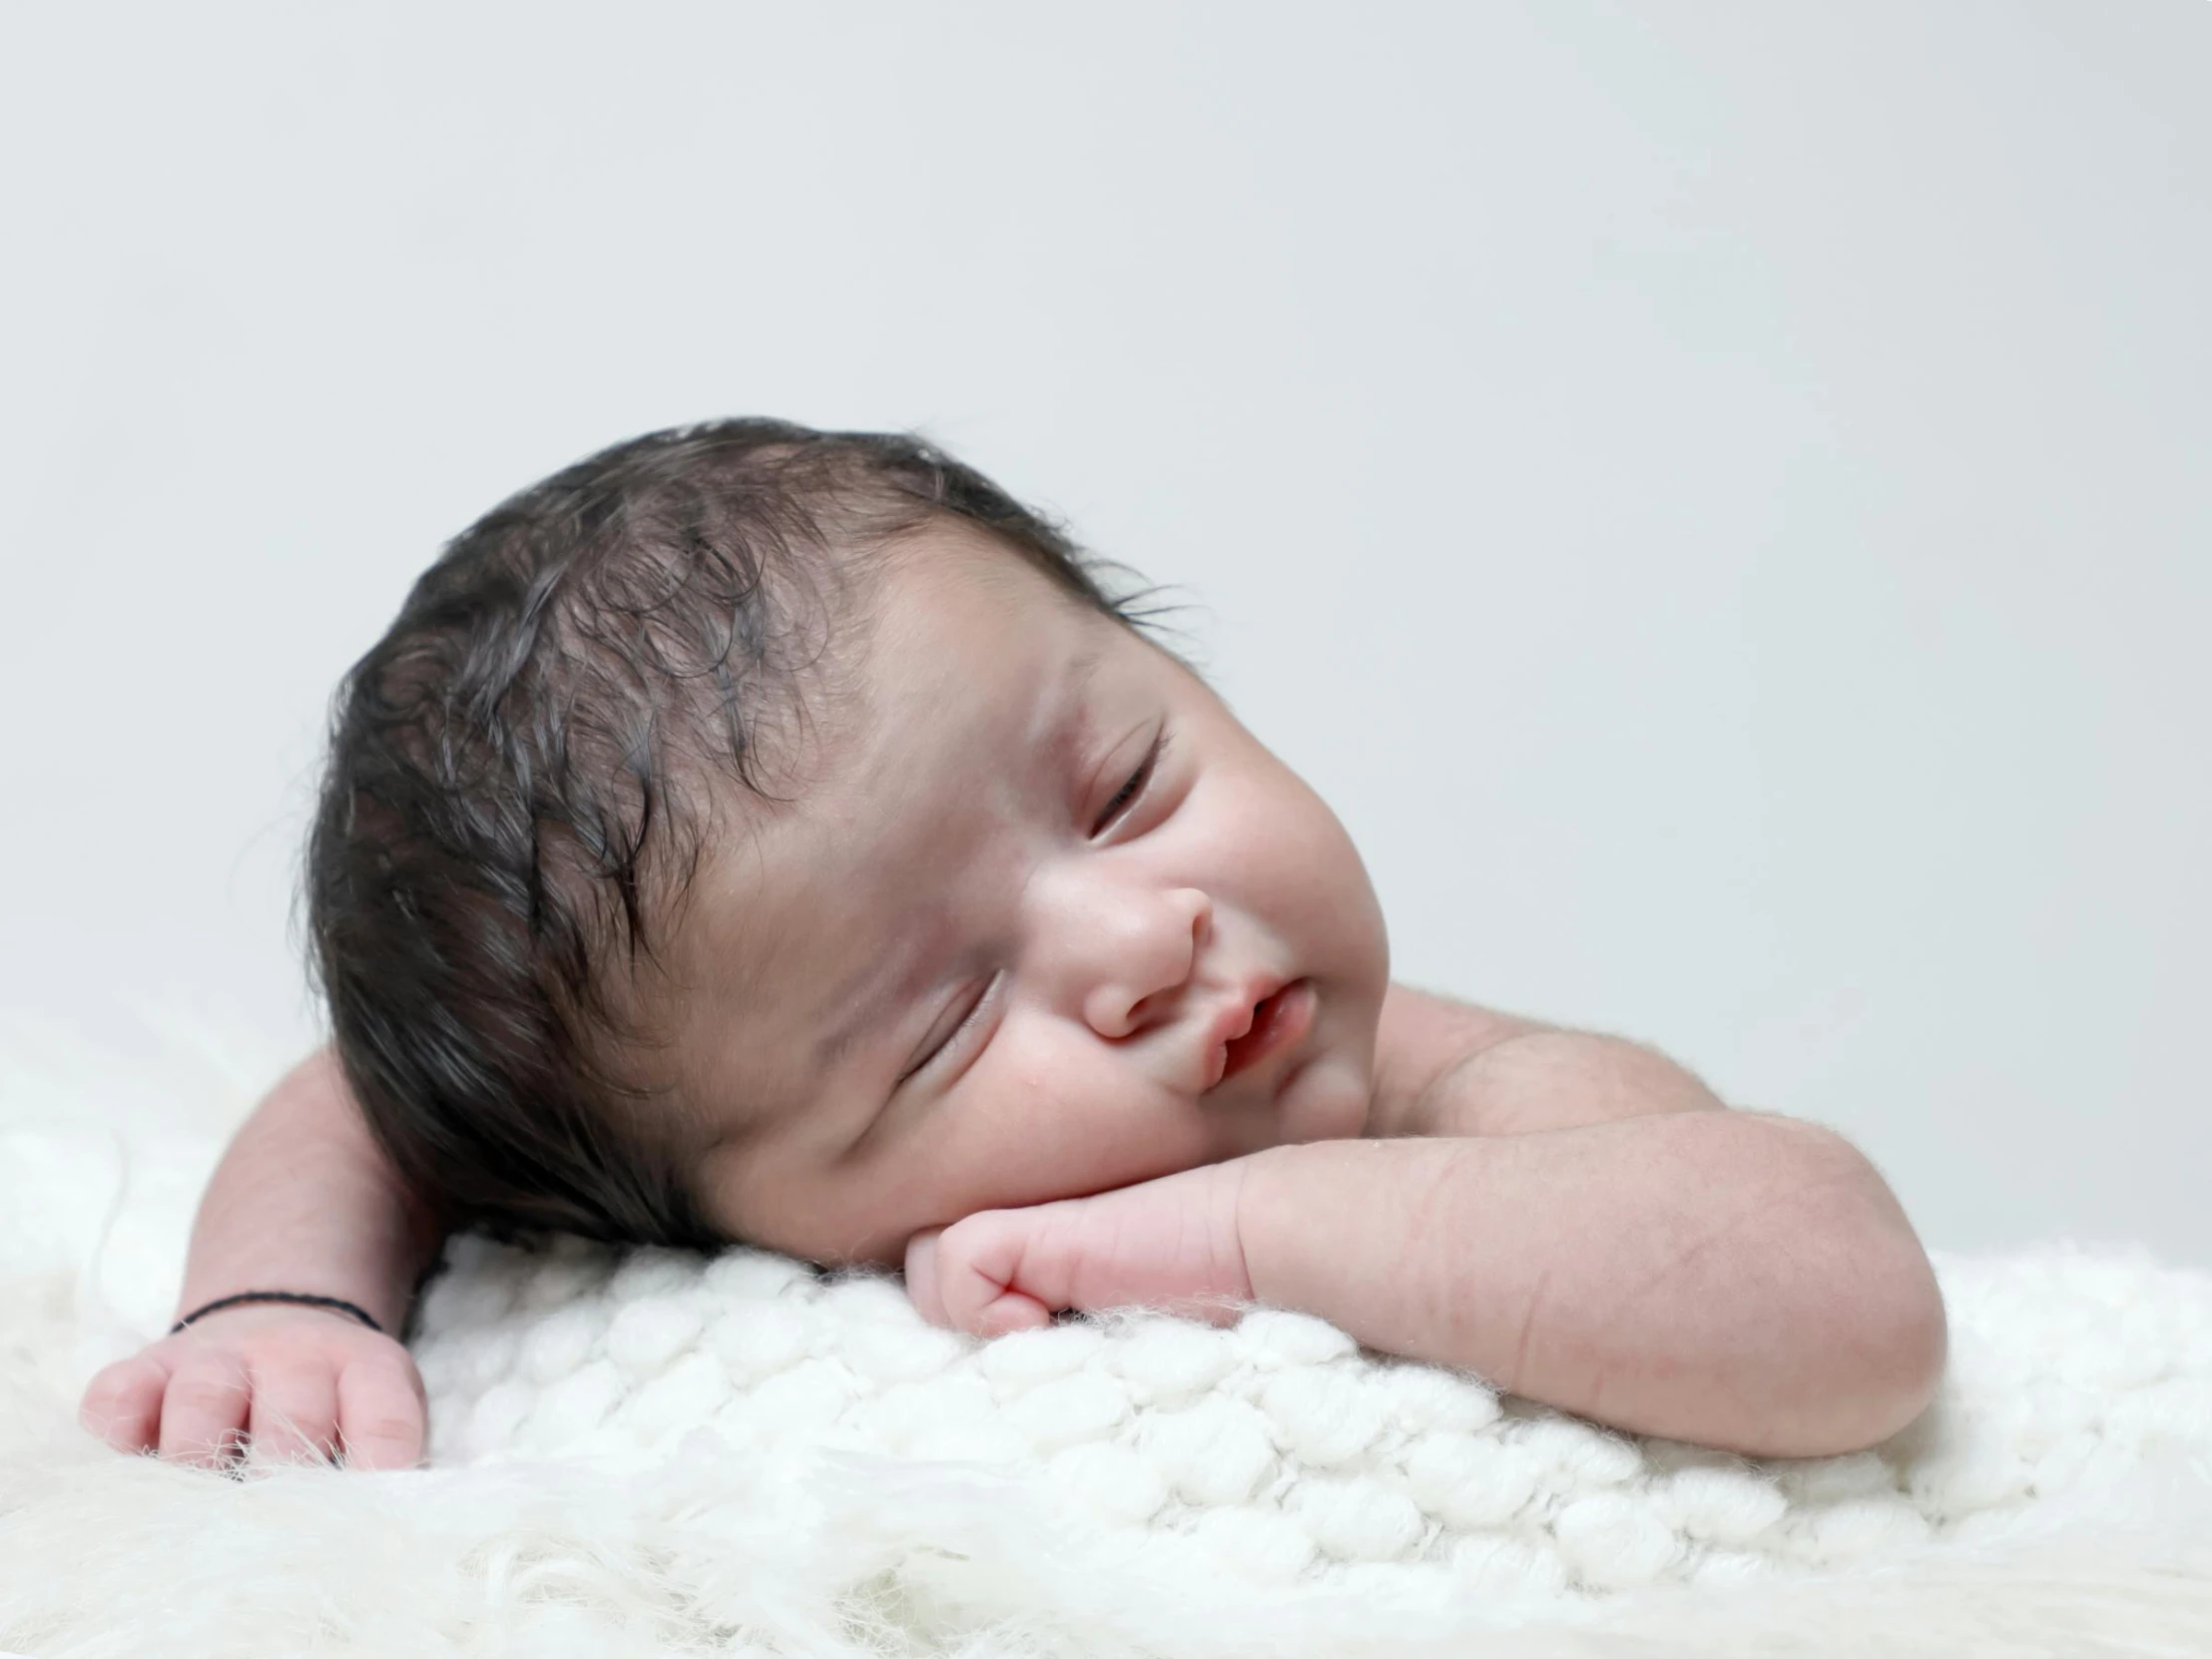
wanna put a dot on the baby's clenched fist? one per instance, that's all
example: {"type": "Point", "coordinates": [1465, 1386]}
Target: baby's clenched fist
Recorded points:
{"type": "Point", "coordinates": [1170, 1243]}
{"type": "Point", "coordinates": [270, 1380]}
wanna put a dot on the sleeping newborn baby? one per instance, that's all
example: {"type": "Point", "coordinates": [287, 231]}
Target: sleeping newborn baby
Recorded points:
{"type": "Point", "coordinates": [755, 834]}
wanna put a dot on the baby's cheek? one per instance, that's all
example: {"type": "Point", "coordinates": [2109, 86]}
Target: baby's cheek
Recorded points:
{"type": "Point", "coordinates": [1037, 1099]}
{"type": "Point", "coordinates": [1321, 879]}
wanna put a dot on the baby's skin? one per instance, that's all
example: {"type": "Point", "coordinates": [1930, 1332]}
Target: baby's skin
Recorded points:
{"type": "Point", "coordinates": [1046, 984]}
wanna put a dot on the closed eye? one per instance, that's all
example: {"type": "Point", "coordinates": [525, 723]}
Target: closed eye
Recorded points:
{"type": "Point", "coordinates": [953, 1037]}
{"type": "Point", "coordinates": [1130, 791]}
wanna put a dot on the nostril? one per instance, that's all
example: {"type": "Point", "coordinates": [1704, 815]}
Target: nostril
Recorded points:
{"type": "Point", "coordinates": [1144, 1011]}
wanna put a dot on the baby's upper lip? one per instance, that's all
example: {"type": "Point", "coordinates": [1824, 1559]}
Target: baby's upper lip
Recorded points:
{"type": "Point", "coordinates": [1231, 1019]}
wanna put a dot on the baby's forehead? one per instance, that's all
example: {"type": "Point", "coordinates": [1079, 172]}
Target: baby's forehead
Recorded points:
{"type": "Point", "coordinates": [880, 648]}
{"type": "Point", "coordinates": [954, 635]}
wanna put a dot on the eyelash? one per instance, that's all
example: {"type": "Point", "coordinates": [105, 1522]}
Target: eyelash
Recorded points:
{"type": "Point", "coordinates": [953, 1036]}
{"type": "Point", "coordinates": [1135, 787]}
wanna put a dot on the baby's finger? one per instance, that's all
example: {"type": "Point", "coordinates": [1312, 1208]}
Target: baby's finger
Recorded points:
{"type": "Point", "coordinates": [123, 1404]}
{"type": "Point", "coordinates": [1008, 1311]}
{"type": "Point", "coordinates": [204, 1411]}
{"type": "Point", "coordinates": [295, 1413]}
{"type": "Point", "coordinates": [380, 1414]}
{"type": "Point", "coordinates": [978, 1279]}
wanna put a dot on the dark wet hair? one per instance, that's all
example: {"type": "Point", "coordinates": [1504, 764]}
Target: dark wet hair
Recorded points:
{"type": "Point", "coordinates": [520, 775]}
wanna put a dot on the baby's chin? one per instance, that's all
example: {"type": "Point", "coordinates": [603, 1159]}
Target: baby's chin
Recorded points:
{"type": "Point", "coordinates": [1326, 1101]}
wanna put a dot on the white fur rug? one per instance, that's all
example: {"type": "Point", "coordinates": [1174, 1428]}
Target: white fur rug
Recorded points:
{"type": "Point", "coordinates": [651, 1454]}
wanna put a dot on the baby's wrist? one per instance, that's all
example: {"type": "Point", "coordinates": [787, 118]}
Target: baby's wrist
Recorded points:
{"type": "Point", "coordinates": [302, 1300]}
{"type": "Point", "coordinates": [280, 1289]}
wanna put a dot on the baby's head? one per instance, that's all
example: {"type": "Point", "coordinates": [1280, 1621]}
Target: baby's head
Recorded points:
{"type": "Point", "coordinates": [754, 833]}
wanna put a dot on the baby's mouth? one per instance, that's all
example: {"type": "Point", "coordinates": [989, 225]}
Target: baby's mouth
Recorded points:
{"type": "Point", "coordinates": [1278, 1021]}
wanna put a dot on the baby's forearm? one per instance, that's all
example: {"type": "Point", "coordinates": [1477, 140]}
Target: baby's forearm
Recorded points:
{"type": "Point", "coordinates": [305, 1200]}
{"type": "Point", "coordinates": [1728, 1278]}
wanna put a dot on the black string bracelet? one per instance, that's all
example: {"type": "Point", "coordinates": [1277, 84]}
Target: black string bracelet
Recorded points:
{"type": "Point", "coordinates": [300, 1297]}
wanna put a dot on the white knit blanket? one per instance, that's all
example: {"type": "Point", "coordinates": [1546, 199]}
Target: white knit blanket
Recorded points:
{"type": "Point", "coordinates": [1280, 1452]}
{"type": "Point", "coordinates": [649, 1453]}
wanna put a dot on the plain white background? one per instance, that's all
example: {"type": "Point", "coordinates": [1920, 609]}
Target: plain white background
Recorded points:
{"type": "Point", "coordinates": [1715, 496]}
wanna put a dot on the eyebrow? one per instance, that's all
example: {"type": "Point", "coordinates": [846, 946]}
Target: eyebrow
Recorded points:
{"type": "Point", "coordinates": [869, 995]}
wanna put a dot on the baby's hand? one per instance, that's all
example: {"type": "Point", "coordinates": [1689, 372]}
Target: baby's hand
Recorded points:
{"type": "Point", "coordinates": [276, 1379]}
{"type": "Point", "coordinates": [1169, 1244]}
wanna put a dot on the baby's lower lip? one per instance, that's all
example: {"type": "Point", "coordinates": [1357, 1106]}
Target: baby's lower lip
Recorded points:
{"type": "Point", "coordinates": [1277, 1024]}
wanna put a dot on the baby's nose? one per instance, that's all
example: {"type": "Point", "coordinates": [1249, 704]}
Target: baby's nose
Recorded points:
{"type": "Point", "coordinates": [1142, 968]}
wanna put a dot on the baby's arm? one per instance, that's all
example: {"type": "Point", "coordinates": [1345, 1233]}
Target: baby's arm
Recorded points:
{"type": "Point", "coordinates": [303, 1200]}
{"type": "Point", "coordinates": [1571, 1216]}
{"type": "Point", "coordinates": [1731, 1277]}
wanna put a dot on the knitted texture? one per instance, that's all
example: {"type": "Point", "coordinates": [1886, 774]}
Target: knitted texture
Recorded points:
{"type": "Point", "coordinates": [1281, 1451]}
